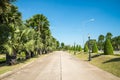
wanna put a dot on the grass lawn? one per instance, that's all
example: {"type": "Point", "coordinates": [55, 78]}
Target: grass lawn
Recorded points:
{"type": "Point", "coordinates": [2, 58]}
{"type": "Point", "coordinates": [110, 63]}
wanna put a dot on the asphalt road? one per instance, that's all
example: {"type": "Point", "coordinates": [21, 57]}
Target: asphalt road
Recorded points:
{"type": "Point", "coordinates": [60, 66]}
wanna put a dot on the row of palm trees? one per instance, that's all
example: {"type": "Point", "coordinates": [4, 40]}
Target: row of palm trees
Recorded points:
{"type": "Point", "coordinates": [32, 37]}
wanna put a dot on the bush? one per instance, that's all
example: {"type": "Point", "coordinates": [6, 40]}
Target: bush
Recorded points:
{"type": "Point", "coordinates": [108, 49]}
{"type": "Point", "coordinates": [94, 48]}
{"type": "Point", "coordinates": [85, 48]}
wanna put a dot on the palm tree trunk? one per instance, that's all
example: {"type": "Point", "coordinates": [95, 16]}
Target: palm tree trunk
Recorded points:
{"type": "Point", "coordinates": [27, 56]}
{"type": "Point", "coordinates": [7, 58]}
{"type": "Point", "coordinates": [32, 53]}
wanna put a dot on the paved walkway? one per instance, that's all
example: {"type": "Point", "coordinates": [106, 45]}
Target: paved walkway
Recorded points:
{"type": "Point", "coordinates": [61, 66]}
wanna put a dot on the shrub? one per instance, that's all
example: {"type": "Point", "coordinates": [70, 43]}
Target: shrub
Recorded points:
{"type": "Point", "coordinates": [108, 49]}
{"type": "Point", "coordinates": [85, 48]}
{"type": "Point", "coordinates": [94, 48]}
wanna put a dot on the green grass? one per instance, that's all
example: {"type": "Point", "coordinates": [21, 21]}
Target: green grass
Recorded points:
{"type": "Point", "coordinates": [2, 58]}
{"type": "Point", "coordinates": [5, 68]}
{"type": "Point", "coordinates": [109, 63]}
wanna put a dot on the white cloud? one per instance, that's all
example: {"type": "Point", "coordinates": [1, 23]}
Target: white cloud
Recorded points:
{"type": "Point", "coordinates": [92, 20]}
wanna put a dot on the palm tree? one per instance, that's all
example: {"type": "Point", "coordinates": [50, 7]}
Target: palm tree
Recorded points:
{"type": "Point", "coordinates": [116, 43]}
{"type": "Point", "coordinates": [27, 41]}
{"type": "Point", "coordinates": [5, 6]}
{"type": "Point", "coordinates": [109, 35]}
{"type": "Point", "coordinates": [13, 21]}
{"type": "Point", "coordinates": [101, 41]}
{"type": "Point", "coordinates": [41, 25]}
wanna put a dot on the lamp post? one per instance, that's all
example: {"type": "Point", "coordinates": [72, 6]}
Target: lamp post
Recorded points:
{"type": "Point", "coordinates": [85, 24]}
{"type": "Point", "coordinates": [89, 59]}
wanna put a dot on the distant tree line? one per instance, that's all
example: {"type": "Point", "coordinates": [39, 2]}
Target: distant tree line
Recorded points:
{"type": "Point", "coordinates": [107, 44]}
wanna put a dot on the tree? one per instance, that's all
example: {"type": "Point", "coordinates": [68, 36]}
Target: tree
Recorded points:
{"type": "Point", "coordinates": [86, 48]}
{"type": "Point", "coordinates": [40, 24]}
{"type": "Point", "coordinates": [13, 21]}
{"type": "Point", "coordinates": [108, 49]}
{"type": "Point", "coordinates": [109, 35]}
{"type": "Point", "coordinates": [62, 45]}
{"type": "Point", "coordinates": [58, 45]}
{"type": "Point", "coordinates": [4, 33]}
{"type": "Point", "coordinates": [5, 6]}
{"type": "Point", "coordinates": [78, 48]}
{"type": "Point", "coordinates": [32, 38]}
{"type": "Point", "coordinates": [116, 43]}
{"type": "Point", "coordinates": [94, 48]}
{"type": "Point", "coordinates": [101, 42]}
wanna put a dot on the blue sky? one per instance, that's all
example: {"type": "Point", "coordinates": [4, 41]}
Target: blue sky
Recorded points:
{"type": "Point", "coordinates": [72, 20]}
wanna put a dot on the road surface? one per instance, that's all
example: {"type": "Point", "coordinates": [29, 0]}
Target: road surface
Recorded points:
{"type": "Point", "coordinates": [60, 66]}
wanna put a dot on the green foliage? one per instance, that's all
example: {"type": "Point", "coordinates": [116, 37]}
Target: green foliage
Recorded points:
{"type": "Point", "coordinates": [78, 48]}
{"type": "Point", "coordinates": [86, 48]}
{"type": "Point", "coordinates": [9, 48]}
{"type": "Point", "coordinates": [4, 33]}
{"type": "Point", "coordinates": [32, 37]}
{"type": "Point", "coordinates": [108, 63]}
{"type": "Point", "coordinates": [108, 49]}
{"type": "Point", "coordinates": [2, 59]}
{"type": "Point", "coordinates": [62, 45]}
{"type": "Point", "coordinates": [116, 43]}
{"type": "Point", "coordinates": [94, 48]}
{"type": "Point", "coordinates": [101, 42]}
{"type": "Point", "coordinates": [109, 35]}
{"type": "Point", "coordinates": [44, 40]}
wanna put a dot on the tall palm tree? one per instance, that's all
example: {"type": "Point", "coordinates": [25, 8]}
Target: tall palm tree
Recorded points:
{"type": "Point", "coordinates": [13, 21]}
{"type": "Point", "coordinates": [41, 25]}
{"type": "Point", "coordinates": [27, 41]}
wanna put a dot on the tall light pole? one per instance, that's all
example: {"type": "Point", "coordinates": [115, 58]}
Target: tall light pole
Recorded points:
{"type": "Point", "coordinates": [91, 20]}
{"type": "Point", "coordinates": [89, 59]}
{"type": "Point", "coordinates": [84, 25]}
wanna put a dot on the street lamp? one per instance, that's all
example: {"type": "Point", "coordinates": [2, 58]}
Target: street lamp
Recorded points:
{"type": "Point", "coordinates": [89, 59]}
{"type": "Point", "coordinates": [84, 25]}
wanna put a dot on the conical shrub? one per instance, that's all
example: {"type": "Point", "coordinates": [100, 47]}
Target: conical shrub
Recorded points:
{"type": "Point", "coordinates": [85, 48]}
{"type": "Point", "coordinates": [94, 48]}
{"type": "Point", "coordinates": [108, 49]}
